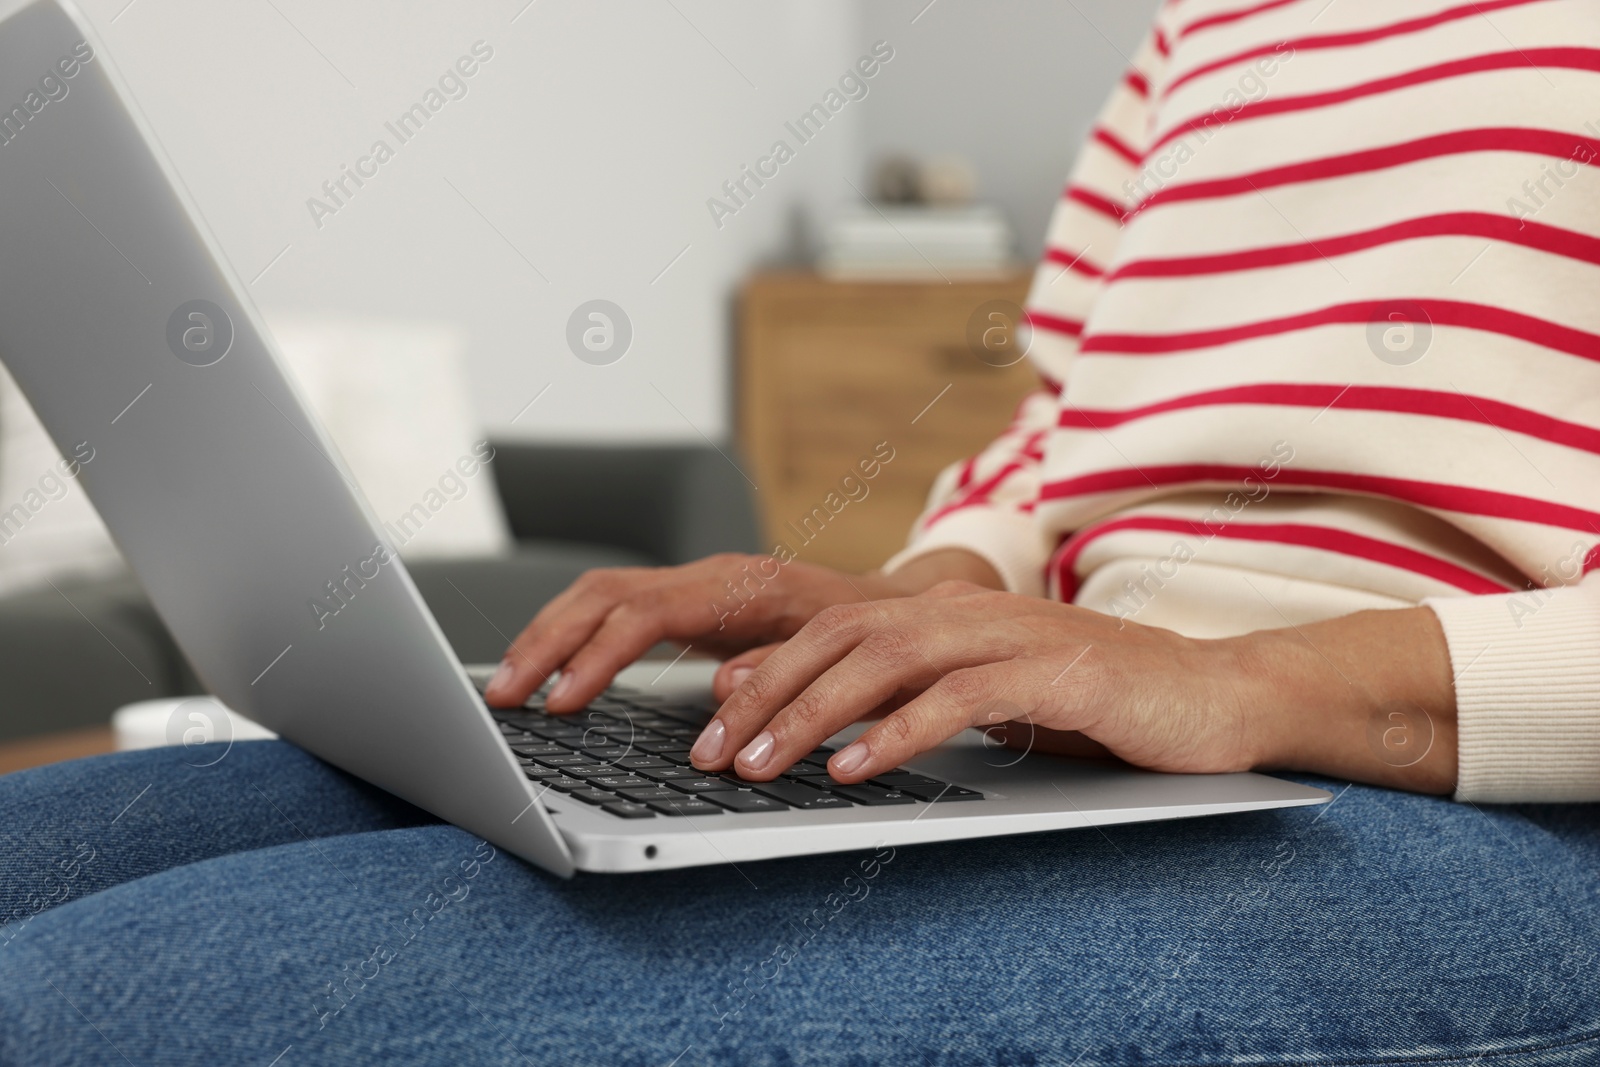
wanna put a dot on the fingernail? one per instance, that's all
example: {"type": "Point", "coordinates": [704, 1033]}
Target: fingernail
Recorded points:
{"type": "Point", "coordinates": [758, 752]}
{"type": "Point", "coordinates": [708, 747]}
{"type": "Point", "coordinates": [502, 676]}
{"type": "Point", "coordinates": [563, 686]}
{"type": "Point", "coordinates": [739, 674]}
{"type": "Point", "coordinates": [849, 760]}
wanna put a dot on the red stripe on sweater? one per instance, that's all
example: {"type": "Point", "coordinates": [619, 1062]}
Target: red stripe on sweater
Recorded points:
{"type": "Point", "coordinates": [1116, 144]}
{"type": "Point", "coordinates": [1439, 312]}
{"type": "Point", "coordinates": [1549, 143]}
{"type": "Point", "coordinates": [1502, 228]}
{"type": "Point", "coordinates": [1350, 39]}
{"type": "Point", "coordinates": [1054, 323]}
{"type": "Point", "coordinates": [1096, 202]}
{"type": "Point", "coordinates": [1226, 17]}
{"type": "Point", "coordinates": [1473, 409]}
{"type": "Point", "coordinates": [1304, 535]}
{"type": "Point", "coordinates": [1029, 454]}
{"type": "Point", "coordinates": [1440, 497]}
{"type": "Point", "coordinates": [1078, 264]}
{"type": "Point", "coordinates": [1531, 60]}
{"type": "Point", "coordinates": [1138, 83]}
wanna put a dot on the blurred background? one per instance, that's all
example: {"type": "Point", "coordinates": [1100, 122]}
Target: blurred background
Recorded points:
{"type": "Point", "coordinates": [755, 338]}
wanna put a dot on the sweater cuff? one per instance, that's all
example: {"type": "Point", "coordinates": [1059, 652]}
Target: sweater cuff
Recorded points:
{"type": "Point", "coordinates": [1009, 541]}
{"type": "Point", "coordinates": [1527, 685]}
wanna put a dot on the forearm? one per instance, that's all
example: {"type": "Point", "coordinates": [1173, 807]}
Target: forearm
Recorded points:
{"type": "Point", "coordinates": [1368, 697]}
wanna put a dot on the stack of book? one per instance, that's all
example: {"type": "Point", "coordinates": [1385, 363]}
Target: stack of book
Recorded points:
{"type": "Point", "coordinates": [897, 242]}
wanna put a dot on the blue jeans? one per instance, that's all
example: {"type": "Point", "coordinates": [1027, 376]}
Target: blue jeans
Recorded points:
{"type": "Point", "coordinates": [270, 906]}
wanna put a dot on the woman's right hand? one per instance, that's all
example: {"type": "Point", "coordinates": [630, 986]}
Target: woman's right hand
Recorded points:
{"type": "Point", "coordinates": [722, 605]}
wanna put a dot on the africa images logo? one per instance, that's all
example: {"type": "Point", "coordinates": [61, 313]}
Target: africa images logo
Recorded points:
{"type": "Point", "coordinates": [199, 332]}
{"type": "Point", "coordinates": [52, 88]}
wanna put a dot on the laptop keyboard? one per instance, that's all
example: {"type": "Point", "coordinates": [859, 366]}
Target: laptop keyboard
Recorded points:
{"type": "Point", "coordinates": [627, 753]}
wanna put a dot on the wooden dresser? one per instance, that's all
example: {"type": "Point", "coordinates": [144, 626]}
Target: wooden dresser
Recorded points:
{"type": "Point", "coordinates": [829, 370]}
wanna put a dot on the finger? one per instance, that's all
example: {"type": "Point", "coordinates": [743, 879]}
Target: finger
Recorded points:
{"type": "Point", "coordinates": [557, 631]}
{"type": "Point", "coordinates": [628, 632]}
{"type": "Point", "coordinates": [731, 675]}
{"type": "Point", "coordinates": [780, 678]}
{"type": "Point", "coordinates": [953, 587]}
{"type": "Point", "coordinates": [960, 699]}
{"type": "Point", "coordinates": [883, 666]}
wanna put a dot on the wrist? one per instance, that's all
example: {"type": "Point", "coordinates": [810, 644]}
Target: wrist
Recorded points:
{"type": "Point", "coordinates": [952, 564]}
{"type": "Point", "coordinates": [1368, 698]}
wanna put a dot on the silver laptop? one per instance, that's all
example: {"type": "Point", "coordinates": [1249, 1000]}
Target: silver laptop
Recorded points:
{"type": "Point", "coordinates": [131, 334]}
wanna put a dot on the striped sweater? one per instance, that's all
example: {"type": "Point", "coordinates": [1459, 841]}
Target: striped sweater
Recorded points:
{"type": "Point", "coordinates": [1318, 329]}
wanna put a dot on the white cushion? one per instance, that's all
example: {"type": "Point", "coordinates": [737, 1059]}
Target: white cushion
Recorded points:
{"type": "Point", "coordinates": [57, 534]}
{"type": "Point", "coordinates": [193, 722]}
{"type": "Point", "coordinates": [393, 397]}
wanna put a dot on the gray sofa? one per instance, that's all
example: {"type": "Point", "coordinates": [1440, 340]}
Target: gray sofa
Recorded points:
{"type": "Point", "coordinates": [69, 659]}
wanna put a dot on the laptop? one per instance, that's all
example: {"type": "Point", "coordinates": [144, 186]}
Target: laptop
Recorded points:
{"type": "Point", "coordinates": [130, 332]}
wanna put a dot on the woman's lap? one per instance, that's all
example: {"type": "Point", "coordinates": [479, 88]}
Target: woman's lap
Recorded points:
{"type": "Point", "coordinates": [1383, 929]}
{"type": "Point", "coordinates": [72, 829]}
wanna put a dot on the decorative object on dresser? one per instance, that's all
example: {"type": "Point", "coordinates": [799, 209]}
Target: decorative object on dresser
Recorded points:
{"type": "Point", "coordinates": [854, 395]}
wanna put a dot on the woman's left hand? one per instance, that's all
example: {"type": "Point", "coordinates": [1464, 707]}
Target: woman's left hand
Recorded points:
{"type": "Point", "coordinates": [962, 656]}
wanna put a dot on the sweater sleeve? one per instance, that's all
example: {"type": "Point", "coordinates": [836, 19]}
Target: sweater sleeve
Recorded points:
{"type": "Point", "coordinates": [1527, 670]}
{"type": "Point", "coordinates": [985, 504]}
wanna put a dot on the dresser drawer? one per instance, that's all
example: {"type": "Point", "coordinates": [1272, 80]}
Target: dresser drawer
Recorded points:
{"type": "Point", "coordinates": [829, 372]}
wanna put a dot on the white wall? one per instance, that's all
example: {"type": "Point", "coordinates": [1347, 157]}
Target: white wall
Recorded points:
{"type": "Point", "coordinates": [1013, 85]}
{"type": "Point", "coordinates": [589, 143]}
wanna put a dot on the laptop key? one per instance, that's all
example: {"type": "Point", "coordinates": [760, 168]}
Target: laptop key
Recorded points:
{"type": "Point", "coordinates": [565, 759]}
{"type": "Point", "coordinates": [669, 774]}
{"type": "Point", "coordinates": [700, 785]}
{"type": "Point", "coordinates": [629, 733]}
{"type": "Point", "coordinates": [654, 792]}
{"type": "Point", "coordinates": [539, 749]}
{"type": "Point", "coordinates": [742, 800]}
{"type": "Point", "coordinates": [941, 792]}
{"type": "Point", "coordinates": [562, 784]}
{"type": "Point", "coordinates": [628, 810]}
{"type": "Point", "coordinates": [801, 796]}
{"type": "Point", "coordinates": [641, 762]}
{"type": "Point", "coordinates": [648, 720]}
{"type": "Point", "coordinates": [615, 780]}
{"type": "Point", "coordinates": [607, 753]}
{"type": "Point", "coordinates": [593, 796]}
{"type": "Point", "coordinates": [590, 771]}
{"type": "Point", "coordinates": [685, 806]}
{"type": "Point", "coordinates": [901, 779]}
{"type": "Point", "coordinates": [813, 777]}
{"type": "Point", "coordinates": [536, 772]}
{"type": "Point", "coordinates": [664, 747]}
{"type": "Point", "coordinates": [871, 795]}
{"type": "Point", "coordinates": [555, 731]}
